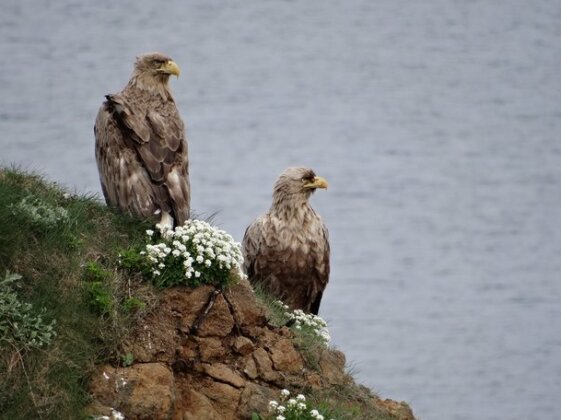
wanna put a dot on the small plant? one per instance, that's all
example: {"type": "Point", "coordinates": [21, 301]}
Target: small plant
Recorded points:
{"type": "Point", "coordinates": [127, 359]}
{"type": "Point", "coordinates": [93, 271]}
{"type": "Point", "coordinates": [193, 254]}
{"type": "Point", "coordinates": [99, 296]}
{"type": "Point", "coordinates": [292, 408]}
{"type": "Point", "coordinates": [133, 305]}
{"type": "Point", "coordinates": [20, 325]}
{"type": "Point", "coordinates": [40, 213]}
{"type": "Point", "coordinates": [307, 324]}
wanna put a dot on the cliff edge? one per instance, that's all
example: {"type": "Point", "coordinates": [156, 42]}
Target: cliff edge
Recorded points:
{"type": "Point", "coordinates": [204, 353]}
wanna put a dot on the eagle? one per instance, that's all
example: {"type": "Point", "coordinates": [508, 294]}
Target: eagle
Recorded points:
{"type": "Point", "coordinates": [141, 148]}
{"type": "Point", "coordinates": [286, 250]}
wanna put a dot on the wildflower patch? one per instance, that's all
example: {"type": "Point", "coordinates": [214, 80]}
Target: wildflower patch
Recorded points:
{"type": "Point", "coordinates": [295, 408]}
{"type": "Point", "coordinates": [40, 213]}
{"type": "Point", "coordinates": [308, 324]}
{"type": "Point", "coordinates": [193, 254]}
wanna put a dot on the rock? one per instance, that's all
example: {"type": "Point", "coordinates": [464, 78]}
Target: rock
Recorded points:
{"type": "Point", "coordinates": [211, 349]}
{"type": "Point", "coordinates": [264, 365]}
{"type": "Point", "coordinates": [196, 406]}
{"type": "Point", "coordinates": [250, 368]}
{"type": "Point", "coordinates": [225, 398]}
{"type": "Point", "coordinates": [243, 345]}
{"type": "Point", "coordinates": [223, 373]}
{"type": "Point", "coordinates": [142, 391]}
{"type": "Point", "coordinates": [186, 304]}
{"type": "Point", "coordinates": [219, 322]}
{"type": "Point", "coordinates": [285, 358]}
{"type": "Point", "coordinates": [189, 351]}
{"type": "Point", "coordinates": [255, 398]}
{"type": "Point", "coordinates": [332, 366]}
{"type": "Point", "coordinates": [399, 410]}
{"type": "Point", "coordinates": [247, 310]}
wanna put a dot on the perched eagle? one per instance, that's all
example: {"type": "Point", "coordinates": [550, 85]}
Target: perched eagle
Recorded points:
{"type": "Point", "coordinates": [141, 150]}
{"type": "Point", "coordinates": [286, 250]}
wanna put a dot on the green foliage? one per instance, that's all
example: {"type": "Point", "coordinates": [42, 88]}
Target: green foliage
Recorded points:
{"type": "Point", "coordinates": [194, 254]}
{"type": "Point", "coordinates": [133, 305]}
{"type": "Point", "coordinates": [21, 327]}
{"type": "Point", "coordinates": [127, 359]}
{"type": "Point", "coordinates": [100, 298]}
{"type": "Point", "coordinates": [94, 272]}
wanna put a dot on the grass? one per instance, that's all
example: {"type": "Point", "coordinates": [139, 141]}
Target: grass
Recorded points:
{"type": "Point", "coordinates": [68, 267]}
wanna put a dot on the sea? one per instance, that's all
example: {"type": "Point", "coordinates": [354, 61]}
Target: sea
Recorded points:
{"type": "Point", "coordinates": [437, 124]}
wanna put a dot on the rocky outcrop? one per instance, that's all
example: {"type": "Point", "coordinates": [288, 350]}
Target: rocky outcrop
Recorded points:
{"type": "Point", "coordinates": [208, 354]}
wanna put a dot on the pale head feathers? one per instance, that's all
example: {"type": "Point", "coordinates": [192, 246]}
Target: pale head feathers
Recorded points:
{"type": "Point", "coordinates": [293, 189]}
{"type": "Point", "coordinates": [152, 71]}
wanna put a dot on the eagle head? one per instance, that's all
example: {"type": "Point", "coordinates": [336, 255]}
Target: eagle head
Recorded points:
{"type": "Point", "coordinates": [297, 184]}
{"type": "Point", "coordinates": [152, 72]}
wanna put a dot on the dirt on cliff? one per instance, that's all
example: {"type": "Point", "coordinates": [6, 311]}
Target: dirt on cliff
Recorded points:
{"type": "Point", "coordinates": [204, 353]}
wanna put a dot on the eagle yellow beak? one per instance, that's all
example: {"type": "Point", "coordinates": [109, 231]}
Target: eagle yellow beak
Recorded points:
{"type": "Point", "coordinates": [318, 182]}
{"type": "Point", "coordinates": [170, 67]}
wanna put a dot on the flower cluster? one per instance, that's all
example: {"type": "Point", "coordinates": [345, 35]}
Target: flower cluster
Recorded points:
{"type": "Point", "coordinates": [306, 322]}
{"type": "Point", "coordinates": [195, 253]}
{"type": "Point", "coordinates": [40, 213]}
{"type": "Point", "coordinates": [293, 408]}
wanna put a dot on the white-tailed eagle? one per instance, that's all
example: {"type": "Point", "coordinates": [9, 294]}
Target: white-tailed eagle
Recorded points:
{"type": "Point", "coordinates": [141, 148]}
{"type": "Point", "coordinates": [286, 250]}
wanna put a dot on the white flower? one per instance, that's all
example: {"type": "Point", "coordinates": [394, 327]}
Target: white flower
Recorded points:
{"type": "Point", "coordinates": [116, 415]}
{"type": "Point", "coordinates": [149, 232]}
{"type": "Point", "coordinates": [285, 392]}
{"type": "Point", "coordinates": [301, 397]}
{"type": "Point", "coordinates": [280, 417]}
{"type": "Point", "coordinates": [273, 405]}
{"type": "Point", "coordinates": [314, 413]}
{"type": "Point", "coordinates": [281, 409]}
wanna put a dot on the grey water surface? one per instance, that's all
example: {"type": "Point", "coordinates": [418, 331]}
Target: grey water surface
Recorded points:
{"type": "Point", "coordinates": [437, 123]}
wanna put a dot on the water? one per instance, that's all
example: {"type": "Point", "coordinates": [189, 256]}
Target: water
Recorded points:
{"type": "Point", "coordinates": [437, 124]}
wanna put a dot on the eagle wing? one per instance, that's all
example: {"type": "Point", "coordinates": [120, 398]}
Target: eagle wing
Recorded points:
{"type": "Point", "coordinates": [251, 245]}
{"type": "Point", "coordinates": [142, 157]}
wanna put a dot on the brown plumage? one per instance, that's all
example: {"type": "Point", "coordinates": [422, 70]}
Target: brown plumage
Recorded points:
{"type": "Point", "coordinates": [141, 149]}
{"type": "Point", "coordinates": [287, 249]}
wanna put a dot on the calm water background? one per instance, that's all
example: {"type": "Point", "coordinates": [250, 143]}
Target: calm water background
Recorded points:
{"type": "Point", "coordinates": [437, 123]}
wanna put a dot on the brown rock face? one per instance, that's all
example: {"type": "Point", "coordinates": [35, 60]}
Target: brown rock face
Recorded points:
{"type": "Point", "coordinates": [208, 354]}
{"type": "Point", "coordinates": [142, 391]}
